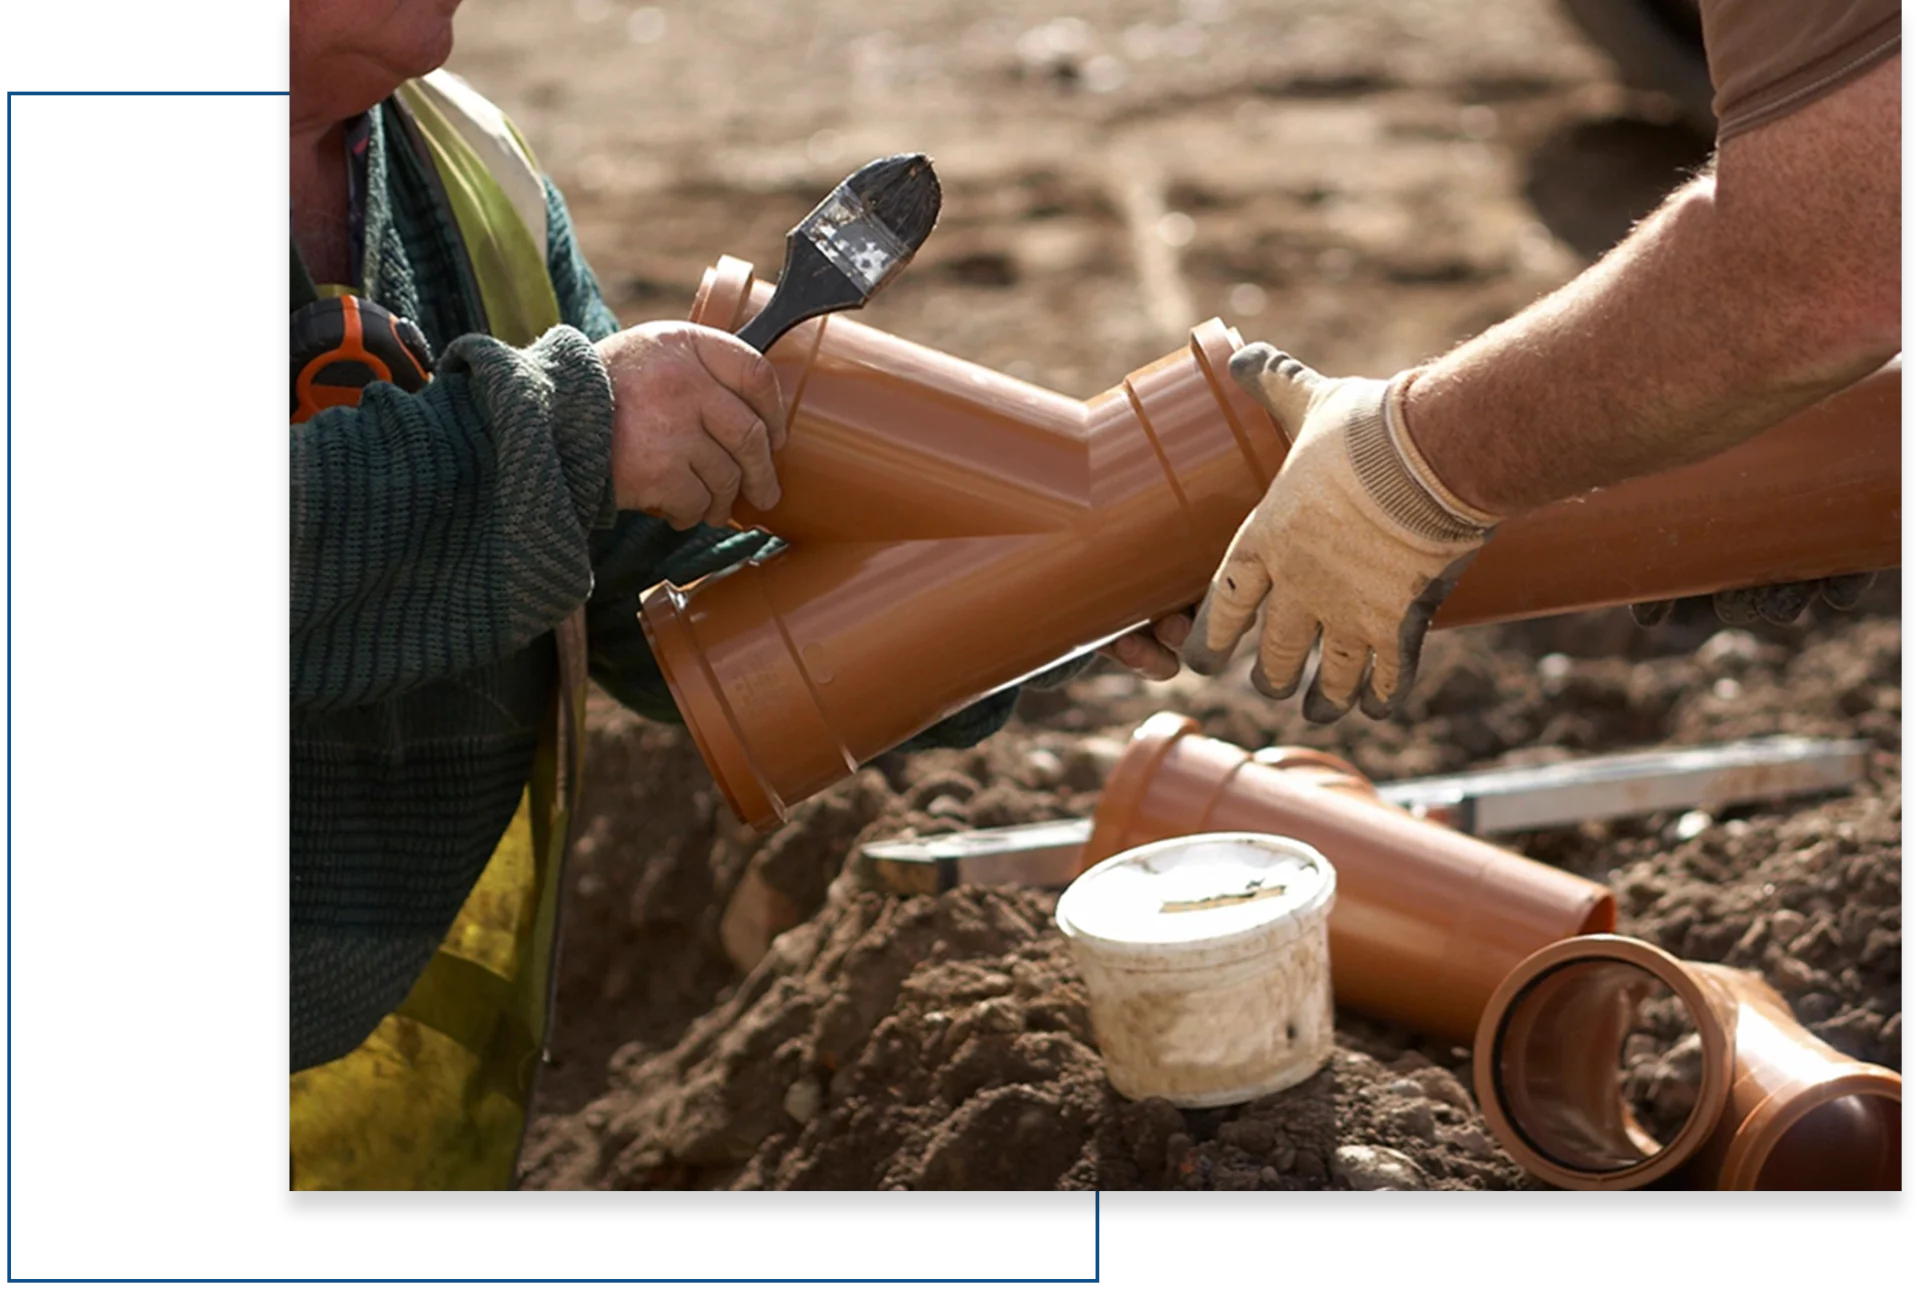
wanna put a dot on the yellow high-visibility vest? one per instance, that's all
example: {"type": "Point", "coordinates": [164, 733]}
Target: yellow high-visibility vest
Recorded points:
{"type": "Point", "coordinates": [437, 1096]}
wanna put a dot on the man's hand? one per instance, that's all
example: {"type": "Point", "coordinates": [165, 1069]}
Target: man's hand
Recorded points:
{"type": "Point", "coordinates": [1151, 650]}
{"type": "Point", "coordinates": [1357, 541]}
{"type": "Point", "coordinates": [696, 417]}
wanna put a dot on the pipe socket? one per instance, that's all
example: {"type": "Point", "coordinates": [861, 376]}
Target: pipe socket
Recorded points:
{"type": "Point", "coordinates": [1429, 921]}
{"type": "Point", "coordinates": [1774, 1108]}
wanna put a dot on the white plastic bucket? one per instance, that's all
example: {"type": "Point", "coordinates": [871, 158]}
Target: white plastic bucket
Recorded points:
{"type": "Point", "coordinates": [1205, 959]}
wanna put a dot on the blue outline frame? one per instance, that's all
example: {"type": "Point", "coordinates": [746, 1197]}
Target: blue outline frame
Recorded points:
{"type": "Point", "coordinates": [12, 1273]}
{"type": "Point", "coordinates": [12, 1191]}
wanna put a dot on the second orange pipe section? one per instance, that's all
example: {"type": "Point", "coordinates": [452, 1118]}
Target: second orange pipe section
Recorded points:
{"type": "Point", "coordinates": [1427, 923]}
{"type": "Point", "coordinates": [952, 530]}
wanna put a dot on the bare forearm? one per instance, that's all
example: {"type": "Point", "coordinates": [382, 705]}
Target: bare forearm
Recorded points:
{"type": "Point", "coordinates": [1738, 303]}
{"type": "Point", "coordinates": [1668, 351]}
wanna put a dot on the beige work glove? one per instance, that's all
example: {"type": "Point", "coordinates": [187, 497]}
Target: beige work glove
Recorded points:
{"type": "Point", "coordinates": [1356, 542]}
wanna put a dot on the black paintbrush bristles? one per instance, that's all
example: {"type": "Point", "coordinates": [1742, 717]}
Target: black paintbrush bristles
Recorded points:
{"type": "Point", "coordinates": [903, 192]}
{"type": "Point", "coordinates": [851, 244]}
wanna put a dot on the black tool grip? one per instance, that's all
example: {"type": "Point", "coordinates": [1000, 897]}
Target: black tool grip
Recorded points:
{"type": "Point", "coordinates": [810, 285]}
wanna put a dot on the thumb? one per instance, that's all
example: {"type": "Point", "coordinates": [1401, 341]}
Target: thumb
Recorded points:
{"type": "Point", "coordinates": [1282, 383]}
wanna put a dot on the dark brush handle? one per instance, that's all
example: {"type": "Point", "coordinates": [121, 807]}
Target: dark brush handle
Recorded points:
{"type": "Point", "coordinates": [810, 285]}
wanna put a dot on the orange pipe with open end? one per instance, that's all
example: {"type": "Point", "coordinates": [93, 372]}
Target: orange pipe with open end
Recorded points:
{"type": "Point", "coordinates": [952, 530]}
{"type": "Point", "coordinates": [1776, 1109]}
{"type": "Point", "coordinates": [1428, 922]}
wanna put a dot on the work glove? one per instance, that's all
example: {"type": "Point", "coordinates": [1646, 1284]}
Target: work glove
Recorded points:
{"type": "Point", "coordinates": [1356, 542]}
{"type": "Point", "coordinates": [1780, 603]}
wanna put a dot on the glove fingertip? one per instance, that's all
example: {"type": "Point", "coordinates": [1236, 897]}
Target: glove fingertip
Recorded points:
{"type": "Point", "coordinates": [1262, 683]}
{"type": "Point", "coordinates": [1734, 608]}
{"type": "Point", "coordinates": [1319, 709]}
{"type": "Point", "coordinates": [1375, 705]}
{"type": "Point", "coordinates": [1847, 590]}
{"type": "Point", "coordinates": [1651, 613]}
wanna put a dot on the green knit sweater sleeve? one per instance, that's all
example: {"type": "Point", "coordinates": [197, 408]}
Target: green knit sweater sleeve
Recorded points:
{"type": "Point", "coordinates": [438, 531]}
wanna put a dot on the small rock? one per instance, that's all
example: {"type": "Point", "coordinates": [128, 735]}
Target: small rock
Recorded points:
{"type": "Point", "coordinates": [999, 1016]}
{"type": "Point", "coordinates": [1442, 1087]}
{"type": "Point", "coordinates": [1791, 976]}
{"type": "Point", "coordinates": [1413, 1120]}
{"type": "Point", "coordinates": [1643, 889]}
{"type": "Point", "coordinates": [1255, 1137]}
{"type": "Point", "coordinates": [1787, 924]}
{"type": "Point", "coordinates": [1092, 760]}
{"type": "Point", "coordinates": [1269, 1177]}
{"type": "Point", "coordinates": [1044, 767]}
{"type": "Point", "coordinates": [1728, 649]}
{"type": "Point", "coordinates": [1817, 1006]}
{"type": "Point", "coordinates": [947, 804]}
{"type": "Point", "coordinates": [1404, 1088]}
{"type": "Point", "coordinates": [1364, 1168]}
{"type": "Point", "coordinates": [1692, 825]}
{"type": "Point", "coordinates": [803, 1099]}
{"type": "Point", "coordinates": [1469, 1141]}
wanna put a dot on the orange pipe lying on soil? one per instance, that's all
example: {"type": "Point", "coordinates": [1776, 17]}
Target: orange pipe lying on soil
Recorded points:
{"type": "Point", "coordinates": [1816, 495]}
{"type": "Point", "coordinates": [1427, 922]}
{"type": "Point", "coordinates": [1777, 1108]}
{"type": "Point", "coordinates": [953, 529]}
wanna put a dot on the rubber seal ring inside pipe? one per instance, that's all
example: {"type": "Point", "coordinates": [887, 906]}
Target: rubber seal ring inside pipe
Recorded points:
{"type": "Point", "coordinates": [1546, 1062]}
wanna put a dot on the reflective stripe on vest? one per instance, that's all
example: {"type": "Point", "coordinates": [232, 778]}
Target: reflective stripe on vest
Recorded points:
{"type": "Point", "coordinates": [437, 1096]}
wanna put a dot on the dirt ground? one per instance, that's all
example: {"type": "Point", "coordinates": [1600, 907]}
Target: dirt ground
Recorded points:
{"type": "Point", "coordinates": [1364, 181]}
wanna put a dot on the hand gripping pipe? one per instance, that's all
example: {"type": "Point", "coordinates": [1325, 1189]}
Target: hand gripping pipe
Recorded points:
{"type": "Point", "coordinates": [951, 530]}
{"type": "Point", "coordinates": [1427, 922]}
{"type": "Point", "coordinates": [1777, 1109]}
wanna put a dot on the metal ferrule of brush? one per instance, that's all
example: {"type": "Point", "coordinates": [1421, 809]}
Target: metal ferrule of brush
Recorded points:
{"type": "Point", "coordinates": [854, 239]}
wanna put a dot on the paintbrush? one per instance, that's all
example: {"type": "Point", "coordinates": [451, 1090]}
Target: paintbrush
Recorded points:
{"type": "Point", "coordinates": [852, 244]}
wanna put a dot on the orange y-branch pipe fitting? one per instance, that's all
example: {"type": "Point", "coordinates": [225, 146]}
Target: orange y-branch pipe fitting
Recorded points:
{"type": "Point", "coordinates": [1427, 922]}
{"type": "Point", "coordinates": [952, 530]}
{"type": "Point", "coordinates": [1776, 1108]}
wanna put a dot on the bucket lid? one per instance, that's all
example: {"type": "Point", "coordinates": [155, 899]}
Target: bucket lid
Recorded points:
{"type": "Point", "coordinates": [1205, 892]}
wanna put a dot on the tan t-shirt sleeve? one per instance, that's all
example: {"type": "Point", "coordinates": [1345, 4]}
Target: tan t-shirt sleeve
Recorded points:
{"type": "Point", "coordinates": [1772, 57]}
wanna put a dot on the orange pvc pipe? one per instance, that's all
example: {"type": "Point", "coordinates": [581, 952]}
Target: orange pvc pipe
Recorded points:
{"type": "Point", "coordinates": [952, 530]}
{"type": "Point", "coordinates": [1428, 922]}
{"type": "Point", "coordinates": [1816, 495]}
{"type": "Point", "coordinates": [1778, 1109]}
